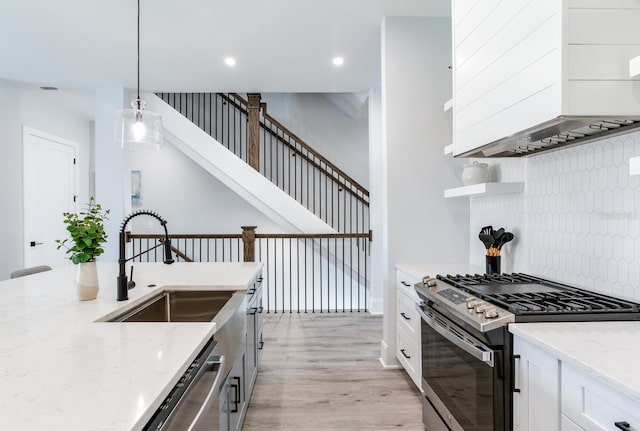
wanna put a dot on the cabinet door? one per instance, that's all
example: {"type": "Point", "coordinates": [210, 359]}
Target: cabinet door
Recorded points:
{"type": "Point", "coordinates": [536, 394]}
{"type": "Point", "coordinates": [251, 357]}
{"type": "Point", "coordinates": [237, 397]}
{"type": "Point", "coordinates": [595, 406]}
{"type": "Point", "coordinates": [567, 424]}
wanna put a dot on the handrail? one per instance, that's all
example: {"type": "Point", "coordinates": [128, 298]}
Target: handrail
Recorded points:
{"type": "Point", "coordinates": [315, 153]}
{"type": "Point", "coordinates": [181, 254]}
{"type": "Point", "coordinates": [300, 142]}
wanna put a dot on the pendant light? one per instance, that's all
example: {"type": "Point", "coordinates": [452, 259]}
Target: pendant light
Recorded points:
{"type": "Point", "coordinates": [137, 128]}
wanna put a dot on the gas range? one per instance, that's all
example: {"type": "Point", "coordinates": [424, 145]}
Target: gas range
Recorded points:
{"type": "Point", "coordinates": [486, 302]}
{"type": "Point", "coordinates": [468, 363]}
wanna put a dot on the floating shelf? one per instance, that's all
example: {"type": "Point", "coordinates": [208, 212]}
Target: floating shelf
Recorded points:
{"type": "Point", "coordinates": [448, 105]}
{"type": "Point", "coordinates": [484, 189]}
{"type": "Point", "coordinates": [448, 149]}
{"type": "Point", "coordinates": [634, 165]}
{"type": "Point", "coordinates": [634, 68]}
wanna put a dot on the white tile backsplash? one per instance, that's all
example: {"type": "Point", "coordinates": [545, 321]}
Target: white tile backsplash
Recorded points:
{"type": "Point", "coordinates": [577, 221]}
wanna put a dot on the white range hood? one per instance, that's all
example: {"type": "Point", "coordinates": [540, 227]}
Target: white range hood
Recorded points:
{"type": "Point", "coordinates": [534, 76]}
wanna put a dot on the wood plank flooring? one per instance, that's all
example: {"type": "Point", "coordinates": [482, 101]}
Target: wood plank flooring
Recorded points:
{"type": "Point", "coordinates": [321, 372]}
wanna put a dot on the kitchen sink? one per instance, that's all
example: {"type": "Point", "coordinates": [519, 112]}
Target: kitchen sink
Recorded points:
{"type": "Point", "coordinates": [178, 306]}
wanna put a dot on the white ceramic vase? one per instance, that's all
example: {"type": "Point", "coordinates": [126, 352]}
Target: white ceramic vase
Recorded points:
{"type": "Point", "coordinates": [87, 281]}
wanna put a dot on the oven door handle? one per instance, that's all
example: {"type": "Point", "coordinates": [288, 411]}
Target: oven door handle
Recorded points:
{"type": "Point", "coordinates": [477, 350]}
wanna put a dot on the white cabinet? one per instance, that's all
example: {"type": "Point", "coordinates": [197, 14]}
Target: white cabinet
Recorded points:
{"type": "Point", "coordinates": [537, 391]}
{"type": "Point", "coordinates": [552, 395]}
{"type": "Point", "coordinates": [519, 63]}
{"type": "Point", "coordinates": [590, 405]}
{"type": "Point", "coordinates": [408, 338]}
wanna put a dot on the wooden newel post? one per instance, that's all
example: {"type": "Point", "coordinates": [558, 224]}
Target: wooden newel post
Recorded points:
{"type": "Point", "coordinates": [254, 130]}
{"type": "Point", "coordinates": [249, 241]}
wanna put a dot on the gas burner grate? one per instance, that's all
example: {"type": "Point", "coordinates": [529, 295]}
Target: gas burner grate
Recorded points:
{"type": "Point", "coordinates": [577, 301]}
{"type": "Point", "coordinates": [542, 297]}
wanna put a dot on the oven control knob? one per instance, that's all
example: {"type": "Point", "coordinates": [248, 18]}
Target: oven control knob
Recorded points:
{"type": "Point", "coordinates": [491, 313]}
{"type": "Point", "coordinates": [480, 307]}
{"type": "Point", "coordinates": [472, 301]}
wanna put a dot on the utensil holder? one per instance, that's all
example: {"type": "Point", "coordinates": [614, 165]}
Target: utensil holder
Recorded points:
{"type": "Point", "coordinates": [493, 265]}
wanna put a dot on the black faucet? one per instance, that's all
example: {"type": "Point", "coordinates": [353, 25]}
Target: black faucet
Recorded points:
{"type": "Point", "coordinates": [123, 284]}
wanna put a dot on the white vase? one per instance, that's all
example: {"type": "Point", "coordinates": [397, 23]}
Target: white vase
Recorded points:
{"type": "Point", "coordinates": [87, 281]}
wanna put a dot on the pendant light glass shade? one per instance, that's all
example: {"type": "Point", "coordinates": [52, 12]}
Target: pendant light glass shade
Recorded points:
{"type": "Point", "coordinates": [138, 129]}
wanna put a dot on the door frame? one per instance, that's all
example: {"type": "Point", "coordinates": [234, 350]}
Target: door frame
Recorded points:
{"type": "Point", "coordinates": [31, 131]}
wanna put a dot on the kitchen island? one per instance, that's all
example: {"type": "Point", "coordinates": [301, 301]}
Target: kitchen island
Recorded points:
{"type": "Point", "coordinates": [62, 369]}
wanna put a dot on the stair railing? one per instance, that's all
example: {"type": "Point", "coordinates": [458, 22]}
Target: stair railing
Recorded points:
{"type": "Point", "coordinates": [245, 128]}
{"type": "Point", "coordinates": [323, 273]}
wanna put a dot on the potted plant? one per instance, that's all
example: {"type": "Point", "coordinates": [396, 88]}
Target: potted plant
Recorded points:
{"type": "Point", "coordinates": [87, 235]}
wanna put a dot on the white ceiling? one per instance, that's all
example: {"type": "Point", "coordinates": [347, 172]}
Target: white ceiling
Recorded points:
{"type": "Point", "coordinates": [280, 45]}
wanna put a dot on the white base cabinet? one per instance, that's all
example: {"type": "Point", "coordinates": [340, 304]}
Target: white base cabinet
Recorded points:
{"type": "Point", "coordinates": [591, 405]}
{"type": "Point", "coordinates": [537, 389]}
{"type": "Point", "coordinates": [554, 395]}
{"type": "Point", "coordinates": [408, 338]}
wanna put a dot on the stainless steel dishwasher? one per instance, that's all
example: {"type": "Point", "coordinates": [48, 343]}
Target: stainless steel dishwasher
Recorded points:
{"type": "Point", "coordinates": [199, 401]}
{"type": "Point", "coordinates": [194, 402]}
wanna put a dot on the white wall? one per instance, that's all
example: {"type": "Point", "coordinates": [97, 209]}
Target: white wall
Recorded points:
{"type": "Point", "coordinates": [25, 107]}
{"type": "Point", "coordinates": [190, 198]}
{"type": "Point", "coordinates": [338, 135]}
{"type": "Point", "coordinates": [421, 226]}
{"type": "Point", "coordinates": [578, 220]}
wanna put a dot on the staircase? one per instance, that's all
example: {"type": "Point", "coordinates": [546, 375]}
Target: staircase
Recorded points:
{"type": "Point", "coordinates": [247, 131]}
{"type": "Point", "coordinates": [326, 260]}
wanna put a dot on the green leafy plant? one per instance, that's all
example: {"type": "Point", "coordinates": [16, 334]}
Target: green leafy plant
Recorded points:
{"type": "Point", "coordinates": [87, 233]}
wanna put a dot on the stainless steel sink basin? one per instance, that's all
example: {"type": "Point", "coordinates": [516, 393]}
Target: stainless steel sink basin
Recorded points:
{"type": "Point", "coordinates": [178, 306]}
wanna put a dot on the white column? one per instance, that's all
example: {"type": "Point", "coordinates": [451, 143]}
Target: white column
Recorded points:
{"type": "Point", "coordinates": [378, 202]}
{"type": "Point", "coordinates": [112, 185]}
{"type": "Point", "coordinates": [421, 226]}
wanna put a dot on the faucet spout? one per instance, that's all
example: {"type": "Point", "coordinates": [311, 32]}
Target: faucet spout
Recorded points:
{"type": "Point", "coordinates": [123, 285]}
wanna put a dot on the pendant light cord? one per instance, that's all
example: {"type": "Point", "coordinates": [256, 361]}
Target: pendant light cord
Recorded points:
{"type": "Point", "coordinates": [138, 54]}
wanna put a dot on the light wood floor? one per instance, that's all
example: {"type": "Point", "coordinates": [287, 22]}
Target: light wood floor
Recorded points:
{"type": "Point", "coordinates": [321, 372]}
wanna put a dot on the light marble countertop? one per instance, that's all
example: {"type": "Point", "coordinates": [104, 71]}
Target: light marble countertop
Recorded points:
{"type": "Point", "coordinates": [607, 351]}
{"type": "Point", "coordinates": [419, 270]}
{"type": "Point", "coordinates": [62, 370]}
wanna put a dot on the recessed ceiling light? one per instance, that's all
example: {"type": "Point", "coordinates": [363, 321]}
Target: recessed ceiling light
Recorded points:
{"type": "Point", "coordinates": [48, 88]}
{"type": "Point", "coordinates": [338, 61]}
{"type": "Point", "coordinates": [230, 61]}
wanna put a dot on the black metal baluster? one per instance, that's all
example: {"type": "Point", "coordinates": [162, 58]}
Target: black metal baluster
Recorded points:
{"type": "Point", "coordinates": [306, 276]}
{"type": "Point", "coordinates": [343, 297]}
{"type": "Point", "coordinates": [335, 270]}
{"type": "Point", "coordinates": [282, 262]}
{"type": "Point", "coordinates": [269, 284]}
{"type": "Point", "coordinates": [298, 273]}
{"type": "Point", "coordinates": [290, 288]}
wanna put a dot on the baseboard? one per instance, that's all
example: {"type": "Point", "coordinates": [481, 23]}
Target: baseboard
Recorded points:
{"type": "Point", "coordinates": [388, 358]}
{"type": "Point", "coordinates": [376, 307]}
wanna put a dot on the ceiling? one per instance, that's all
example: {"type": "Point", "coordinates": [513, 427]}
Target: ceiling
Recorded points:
{"type": "Point", "coordinates": [280, 45]}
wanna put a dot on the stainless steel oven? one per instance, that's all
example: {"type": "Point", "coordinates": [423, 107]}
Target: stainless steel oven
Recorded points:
{"type": "Point", "coordinates": [463, 377]}
{"type": "Point", "coordinates": [467, 350]}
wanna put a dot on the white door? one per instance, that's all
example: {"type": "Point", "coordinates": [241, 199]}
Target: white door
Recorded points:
{"type": "Point", "coordinates": [49, 178]}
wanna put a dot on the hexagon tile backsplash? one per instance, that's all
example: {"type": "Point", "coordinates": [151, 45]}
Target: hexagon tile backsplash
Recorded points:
{"type": "Point", "coordinates": [578, 220]}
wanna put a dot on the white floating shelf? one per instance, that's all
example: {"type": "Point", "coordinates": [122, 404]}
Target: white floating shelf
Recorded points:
{"type": "Point", "coordinates": [634, 165]}
{"type": "Point", "coordinates": [485, 189]}
{"type": "Point", "coordinates": [448, 105]}
{"type": "Point", "coordinates": [448, 149]}
{"type": "Point", "coordinates": [634, 67]}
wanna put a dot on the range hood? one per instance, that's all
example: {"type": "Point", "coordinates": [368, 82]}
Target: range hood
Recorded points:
{"type": "Point", "coordinates": [555, 134]}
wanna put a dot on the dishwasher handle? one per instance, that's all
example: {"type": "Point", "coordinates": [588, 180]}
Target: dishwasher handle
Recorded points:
{"type": "Point", "coordinates": [213, 364]}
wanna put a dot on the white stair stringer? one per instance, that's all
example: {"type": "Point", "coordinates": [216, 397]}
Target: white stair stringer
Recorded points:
{"type": "Point", "coordinates": [234, 172]}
